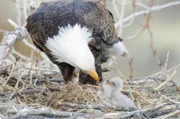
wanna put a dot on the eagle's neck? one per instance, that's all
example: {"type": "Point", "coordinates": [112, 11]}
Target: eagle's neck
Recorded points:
{"type": "Point", "coordinates": [70, 45]}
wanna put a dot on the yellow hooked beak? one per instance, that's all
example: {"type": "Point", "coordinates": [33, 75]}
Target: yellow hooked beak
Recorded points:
{"type": "Point", "coordinates": [94, 75]}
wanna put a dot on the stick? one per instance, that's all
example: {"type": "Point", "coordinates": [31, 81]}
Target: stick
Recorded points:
{"type": "Point", "coordinates": [154, 8]}
{"type": "Point", "coordinates": [166, 81]}
{"type": "Point", "coordinates": [41, 111]}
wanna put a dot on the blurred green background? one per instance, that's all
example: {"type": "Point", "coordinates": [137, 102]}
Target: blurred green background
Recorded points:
{"type": "Point", "coordinates": [165, 25]}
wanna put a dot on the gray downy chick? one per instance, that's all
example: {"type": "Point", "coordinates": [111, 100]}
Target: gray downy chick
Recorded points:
{"type": "Point", "coordinates": [119, 98]}
{"type": "Point", "coordinates": [111, 90]}
{"type": "Point", "coordinates": [104, 94]}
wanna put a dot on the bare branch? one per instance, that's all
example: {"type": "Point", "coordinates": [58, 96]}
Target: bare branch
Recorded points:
{"type": "Point", "coordinates": [166, 63]}
{"type": "Point", "coordinates": [131, 69]}
{"type": "Point", "coordinates": [154, 8]}
{"type": "Point", "coordinates": [166, 81]}
{"type": "Point", "coordinates": [121, 17]}
{"type": "Point", "coordinates": [169, 99]}
{"type": "Point", "coordinates": [13, 24]}
{"type": "Point", "coordinates": [10, 39]}
{"type": "Point", "coordinates": [19, 16]}
{"type": "Point", "coordinates": [169, 115]}
{"type": "Point", "coordinates": [41, 111]}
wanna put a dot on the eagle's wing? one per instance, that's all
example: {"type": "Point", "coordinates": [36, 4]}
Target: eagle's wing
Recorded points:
{"type": "Point", "coordinates": [101, 21]}
{"type": "Point", "coordinates": [47, 19]}
{"type": "Point", "coordinates": [45, 22]}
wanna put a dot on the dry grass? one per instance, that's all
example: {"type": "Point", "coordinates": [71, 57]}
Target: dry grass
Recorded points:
{"type": "Point", "coordinates": [33, 90]}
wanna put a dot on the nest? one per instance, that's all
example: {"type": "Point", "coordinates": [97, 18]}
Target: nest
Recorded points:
{"type": "Point", "coordinates": [45, 95]}
{"type": "Point", "coordinates": [51, 93]}
{"type": "Point", "coordinates": [56, 95]}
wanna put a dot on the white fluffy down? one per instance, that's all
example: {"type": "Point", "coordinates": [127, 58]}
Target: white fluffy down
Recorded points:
{"type": "Point", "coordinates": [110, 94]}
{"type": "Point", "coordinates": [70, 45]}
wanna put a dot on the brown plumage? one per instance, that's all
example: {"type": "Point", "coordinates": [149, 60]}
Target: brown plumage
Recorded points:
{"type": "Point", "coordinates": [44, 23]}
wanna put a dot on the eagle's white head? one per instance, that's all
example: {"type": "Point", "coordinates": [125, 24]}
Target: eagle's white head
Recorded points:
{"type": "Point", "coordinates": [70, 45]}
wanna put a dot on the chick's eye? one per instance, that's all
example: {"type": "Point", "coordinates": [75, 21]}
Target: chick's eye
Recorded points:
{"type": "Point", "coordinates": [113, 83]}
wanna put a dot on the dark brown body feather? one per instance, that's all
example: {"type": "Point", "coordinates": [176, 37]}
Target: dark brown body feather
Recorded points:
{"type": "Point", "coordinates": [47, 19]}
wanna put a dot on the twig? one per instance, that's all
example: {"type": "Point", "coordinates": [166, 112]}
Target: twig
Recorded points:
{"type": "Point", "coordinates": [129, 114]}
{"type": "Point", "coordinates": [117, 69]}
{"type": "Point", "coordinates": [166, 81]}
{"type": "Point", "coordinates": [134, 9]}
{"type": "Point", "coordinates": [121, 17]}
{"type": "Point", "coordinates": [157, 76]}
{"type": "Point", "coordinates": [169, 99]}
{"type": "Point", "coordinates": [29, 72]}
{"type": "Point", "coordinates": [13, 24]}
{"type": "Point", "coordinates": [10, 39]}
{"type": "Point", "coordinates": [25, 3]}
{"type": "Point", "coordinates": [135, 4]}
{"type": "Point", "coordinates": [32, 6]}
{"type": "Point", "coordinates": [41, 111]}
{"type": "Point", "coordinates": [154, 8]}
{"type": "Point", "coordinates": [13, 65]}
{"type": "Point", "coordinates": [116, 11]}
{"type": "Point", "coordinates": [131, 69]}
{"type": "Point", "coordinates": [43, 70]}
{"type": "Point", "coordinates": [146, 100]}
{"type": "Point", "coordinates": [18, 12]}
{"type": "Point", "coordinates": [145, 26]}
{"type": "Point", "coordinates": [20, 55]}
{"type": "Point", "coordinates": [166, 63]}
{"type": "Point", "coordinates": [99, 107]}
{"type": "Point", "coordinates": [169, 115]}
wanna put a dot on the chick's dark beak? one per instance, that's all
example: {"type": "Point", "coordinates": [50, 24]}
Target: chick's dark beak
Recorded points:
{"type": "Point", "coordinates": [109, 83]}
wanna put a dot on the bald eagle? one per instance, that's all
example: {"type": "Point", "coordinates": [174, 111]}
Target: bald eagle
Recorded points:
{"type": "Point", "coordinates": [75, 34]}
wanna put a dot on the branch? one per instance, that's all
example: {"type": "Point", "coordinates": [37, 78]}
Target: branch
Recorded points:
{"type": "Point", "coordinates": [98, 107]}
{"type": "Point", "coordinates": [18, 12]}
{"type": "Point", "coordinates": [121, 17]}
{"type": "Point", "coordinates": [169, 115]}
{"type": "Point", "coordinates": [11, 38]}
{"type": "Point", "coordinates": [154, 8]}
{"type": "Point", "coordinates": [166, 81]}
{"type": "Point", "coordinates": [41, 111]}
{"type": "Point", "coordinates": [131, 75]}
{"type": "Point", "coordinates": [169, 99]}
